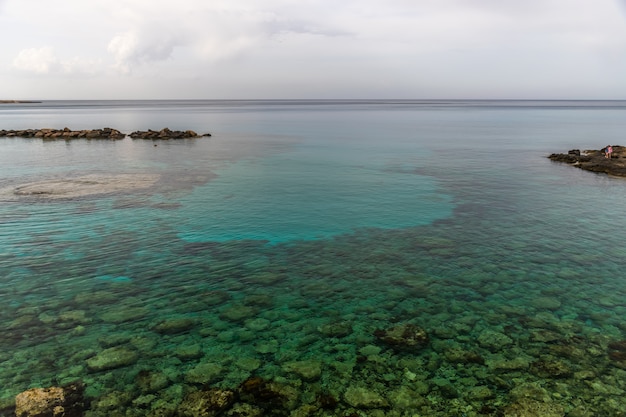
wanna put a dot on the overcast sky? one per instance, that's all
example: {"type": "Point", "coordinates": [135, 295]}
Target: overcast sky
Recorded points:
{"type": "Point", "coordinates": [159, 49]}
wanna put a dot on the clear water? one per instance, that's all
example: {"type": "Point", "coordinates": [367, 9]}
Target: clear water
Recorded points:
{"type": "Point", "coordinates": [298, 218]}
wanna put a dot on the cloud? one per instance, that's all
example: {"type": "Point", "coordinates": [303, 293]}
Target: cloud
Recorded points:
{"type": "Point", "coordinates": [311, 46]}
{"type": "Point", "coordinates": [215, 32]}
{"type": "Point", "coordinates": [44, 61]}
{"type": "Point", "coordinates": [138, 47]}
{"type": "Point", "coordinates": [36, 60]}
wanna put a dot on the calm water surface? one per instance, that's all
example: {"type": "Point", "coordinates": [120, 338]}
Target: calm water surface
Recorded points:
{"type": "Point", "coordinates": [279, 247]}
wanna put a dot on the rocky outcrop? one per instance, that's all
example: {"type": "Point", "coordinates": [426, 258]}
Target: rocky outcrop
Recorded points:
{"type": "Point", "coordinates": [165, 134]}
{"type": "Point", "coordinates": [51, 402]}
{"type": "Point", "coordinates": [105, 133]}
{"type": "Point", "coordinates": [65, 133]}
{"type": "Point", "coordinates": [595, 160]}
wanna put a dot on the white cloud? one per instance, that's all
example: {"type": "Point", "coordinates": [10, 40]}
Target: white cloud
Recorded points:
{"type": "Point", "coordinates": [36, 60]}
{"type": "Point", "coordinates": [44, 61]}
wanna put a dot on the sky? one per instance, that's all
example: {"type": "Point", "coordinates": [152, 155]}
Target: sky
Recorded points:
{"type": "Point", "coordinates": [315, 49]}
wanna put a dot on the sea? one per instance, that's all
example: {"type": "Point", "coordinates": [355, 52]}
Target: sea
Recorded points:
{"type": "Point", "coordinates": [315, 258]}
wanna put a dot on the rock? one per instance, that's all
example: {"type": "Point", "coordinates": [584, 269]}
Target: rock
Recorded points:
{"type": "Point", "coordinates": [494, 341]}
{"type": "Point", "coordinates": [404, 336]}
{"type": "Point", "coordinates": [104, 133]}
{"type": "Point", "coordinates": [65, 133]}
{"type": "Point", "coordinates": [189, 352]}
{"type": "Point", "coordinates": [457, 355]}
{"type": "Point", "coordinates": [480, 393]}
{"type": "Point", "coordinates": [165, 133]}
{"type": "Point", "coordinates": [203, 373]}
{"type": "Point", "coordinates": [51, 402]}
{"type": "Point", "coordinates": [501, 364]}
{"type": "Point", "coordinates": [205, 403]}
{"type": "Point", "coordinates": [405, 398]}
{"type": "Point", "coordinates": [174, 325]}
{"type": "Point", "coordinates": [271, 396]}
{"type": "Point", "coordinates": [546, 303]}
{"type": "Point", "coordinates": [530, 390]}
{"type": "Point", "coordinates": [237, 313]}
{"type": "Point", "coordinates": [248, 364]}
{"type": "Point", "coordinates": [617, 353]}
{"type": "Point", "coordinates": [550, 369]}
{"type": "Point", "coordinates": [594, 160]}
{"type": "Point", "coordinates": [360, 397]}
{"type": "Point", "coordinates": [244, 410]}
{"type": "Point", "coordinates": [213, 298]}
{"type": "Point", "coordinates": [148, 381]}
{"type": "Point", "coordinates": [115, 357]}
{"type": "Point", "coordinates": [531, 408]}
{"type": "Point", "coordinates": [309, 370]}
{"type": "Point", "coordinates": [336, 329]}
{"type": "Point", "coordinates": [257, 325]}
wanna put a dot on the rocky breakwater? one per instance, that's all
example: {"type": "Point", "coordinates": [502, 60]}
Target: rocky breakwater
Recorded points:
{"type": "Point", "coordinates": [595, 160]}
{"type": "Point", "coordinates": [104, 133]}
{"type": "Point", "coordinates": [165, 134]}
{"type": "Point", "coordinates": [65, 133]}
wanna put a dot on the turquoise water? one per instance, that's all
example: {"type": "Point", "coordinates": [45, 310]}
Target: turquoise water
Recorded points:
{"type": "Point", "coordinates": [278, 247]}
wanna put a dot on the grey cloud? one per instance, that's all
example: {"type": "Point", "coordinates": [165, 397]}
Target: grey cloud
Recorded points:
{"type": "Point", "coordinates": [142, 46]}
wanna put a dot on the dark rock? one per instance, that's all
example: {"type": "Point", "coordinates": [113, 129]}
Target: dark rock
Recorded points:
{"type": "Point", "coordinates": [404, 337]}
{"type": "Point", "coordinates": [206, 403]}
{"type": "Point", "coordinates": [164, 133]}
{"type": "Point", "coordinates": [595, 160]}
{"type": "Point", "coordinates": [174, 325]}
{"type": "Point", "coordinates": [104, 133]}
{"type": "Point", "coordinates": [65, 133]}
{"type": "Point", "coordinates": [550, 369]}
{"type": "Point", "coordinates": [617, 353]}
{"type": "Point", "coordinates": [65, 401]}
{"type": "Point", "coordinates": [268, 395]}
{"type": "Point", "coordinates": [463, 356]}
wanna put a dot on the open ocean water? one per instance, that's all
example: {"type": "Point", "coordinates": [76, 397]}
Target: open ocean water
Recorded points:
{"type": "Point", "coordinates": [294, 261]}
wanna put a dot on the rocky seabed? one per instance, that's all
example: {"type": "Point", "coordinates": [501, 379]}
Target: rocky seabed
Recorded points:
{"type": "Point", "coordinates": [104, 133]}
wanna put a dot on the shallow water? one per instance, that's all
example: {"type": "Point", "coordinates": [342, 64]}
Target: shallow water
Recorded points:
{"type": "Point", "coordinates": [279, 246]}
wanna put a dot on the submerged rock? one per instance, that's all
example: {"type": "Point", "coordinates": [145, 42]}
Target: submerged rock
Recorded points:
{"type": "Point", "coordinates": [308, 370]}
{"type": "Point", "coordinates": [51, 402]}
{"type": "Point", "coordinates": [174, 325]}
{"type": "Point", "coordinates": [115, 357]}
{"type": "Point", "coordinates": [530, 408]}
{"type": "Point", "coordinates": [203, 373]}
{"type": "Point", "coordinates": [404, 336]}
{"type": "Point", "coordinates": [617, 353]}
{"type": "Point", "coordinates": [360, 397]}
{"type": "Point", "coordinates": [205, 403]}
{"type": "Point", "coordinates": [493, 340]}
{"type": "Point", "coordinates": [550, 369]}
{"type": "Point", "coordinates": [268, 395]}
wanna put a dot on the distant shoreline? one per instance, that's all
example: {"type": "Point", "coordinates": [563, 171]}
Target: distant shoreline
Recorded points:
{"type": "Point", "coordinates": [17, 101]}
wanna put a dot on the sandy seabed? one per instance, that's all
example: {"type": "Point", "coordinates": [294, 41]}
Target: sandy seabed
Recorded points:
{"type": "Point", "coordinates": [81, 186]}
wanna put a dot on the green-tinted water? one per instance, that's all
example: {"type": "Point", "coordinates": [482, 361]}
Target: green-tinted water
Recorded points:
{"type": "Point", "coordinates": [269, 259]}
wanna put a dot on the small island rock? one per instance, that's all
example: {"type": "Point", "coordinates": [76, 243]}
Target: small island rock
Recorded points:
{"type": "Point", "coordinates": [595, 160]}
